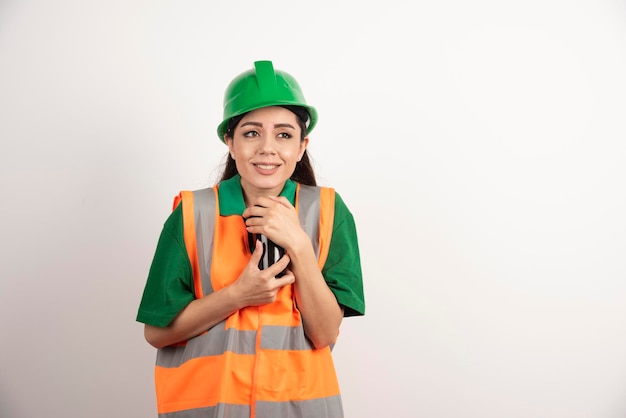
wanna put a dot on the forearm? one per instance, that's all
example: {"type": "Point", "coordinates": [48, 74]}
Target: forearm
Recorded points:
{"type": "Point", "coordinates": [197, 317]}
{"type": "Point", "coordinates": [321, 313]}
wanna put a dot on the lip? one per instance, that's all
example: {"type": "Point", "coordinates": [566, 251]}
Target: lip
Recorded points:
{"type": "Point", "coordinates": [266, 167]}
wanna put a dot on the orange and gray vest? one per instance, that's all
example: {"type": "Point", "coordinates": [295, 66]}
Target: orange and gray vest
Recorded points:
{"type": "Point", "coordinates": [257, 362]}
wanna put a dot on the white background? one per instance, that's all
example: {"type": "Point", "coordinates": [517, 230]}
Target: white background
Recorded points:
{"type": "Point", "coordinates": [480, 146]}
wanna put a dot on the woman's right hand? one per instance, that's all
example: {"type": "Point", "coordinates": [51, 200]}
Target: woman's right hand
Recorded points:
{"type": "Point", "coordinates": [256, 287]}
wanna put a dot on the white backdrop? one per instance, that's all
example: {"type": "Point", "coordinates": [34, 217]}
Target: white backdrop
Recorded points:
{"type": "Point", "coordinates": [480, 146]}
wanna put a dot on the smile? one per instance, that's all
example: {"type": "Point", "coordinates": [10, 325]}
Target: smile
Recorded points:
{"type": "Point", "coordinates": [266, 166]}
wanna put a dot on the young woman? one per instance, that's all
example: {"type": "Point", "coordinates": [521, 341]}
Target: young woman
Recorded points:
{"type": "Point", "coordinates": [251, 278]}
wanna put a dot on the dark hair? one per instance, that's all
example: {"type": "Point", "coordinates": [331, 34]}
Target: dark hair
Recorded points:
{"type": "Point", "coordinates": [303, 172]}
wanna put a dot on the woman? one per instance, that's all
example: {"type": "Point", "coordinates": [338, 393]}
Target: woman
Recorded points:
{"type": "Point", "coordinates": [251, 278]}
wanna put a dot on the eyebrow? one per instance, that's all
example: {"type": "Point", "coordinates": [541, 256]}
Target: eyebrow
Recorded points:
{"type": "Point", "coordinates": [284, 125]}
{"type": "Point", "coordinates": [260, 125]}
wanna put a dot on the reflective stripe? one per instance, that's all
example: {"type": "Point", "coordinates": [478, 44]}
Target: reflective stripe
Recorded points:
{"type": "Point", "coordinates": [218, 411]}
{"type": "Point", "coordinates": [189, 234]}
{"type": "Point", "coordinates": [327, 219]}
{"type": "Point", "coordinates": [317, 221]}
{"type": "Point", "coordinates": [314, 408]}
{"type": "Point", "coordinates": [309, 197]}
{"type": "Point", "coordinates": [214, 342]}
{"type": "Point", "coordinates": [276, 337]}
{"type": "Point", "coordinates": [218, 340]}
{"type": "Point", "coordinates": [329, 407]}
{"type": "Point", "coordinates": [204, 215]}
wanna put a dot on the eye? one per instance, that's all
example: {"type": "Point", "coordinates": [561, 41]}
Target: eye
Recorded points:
{"type": "Point", "coordinates": [285, 135]}
{"type": "Point", "coordinates": [250, 134]}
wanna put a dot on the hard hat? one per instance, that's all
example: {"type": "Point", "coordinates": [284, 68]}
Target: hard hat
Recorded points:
{"type": "Point", "coordinates": [262, 87]}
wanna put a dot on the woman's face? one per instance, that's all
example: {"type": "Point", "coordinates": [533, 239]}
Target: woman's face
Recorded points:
{"type": "Point", "coordinates": [266, 146]}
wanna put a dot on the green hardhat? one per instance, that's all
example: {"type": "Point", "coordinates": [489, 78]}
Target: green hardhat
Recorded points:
{"type": "Point", "coordinates": [262, 87]}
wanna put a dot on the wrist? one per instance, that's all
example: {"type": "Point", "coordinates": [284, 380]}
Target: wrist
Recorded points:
{"type": "Point", "coordinates": [301, 248]}
{"type": "Point", "coordinates": [232, 296]}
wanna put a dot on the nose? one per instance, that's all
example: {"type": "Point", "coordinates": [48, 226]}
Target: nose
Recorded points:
{"type": "Point", "coordinates": [267, 145]}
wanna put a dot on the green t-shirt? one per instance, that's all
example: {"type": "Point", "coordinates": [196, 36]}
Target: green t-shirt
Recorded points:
{"type": "Point", "coordinates": [169, 287]}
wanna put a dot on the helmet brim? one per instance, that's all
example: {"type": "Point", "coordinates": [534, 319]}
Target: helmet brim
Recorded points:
{"type": "Point", "coordinates": [223, 127]}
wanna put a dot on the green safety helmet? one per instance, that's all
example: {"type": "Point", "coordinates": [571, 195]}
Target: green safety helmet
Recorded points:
{"type": "Point", "coordinates": [262, 87]}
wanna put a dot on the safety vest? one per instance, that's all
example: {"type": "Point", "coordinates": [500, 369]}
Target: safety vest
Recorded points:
{"type": "Point", "coordinates": [258, 361]}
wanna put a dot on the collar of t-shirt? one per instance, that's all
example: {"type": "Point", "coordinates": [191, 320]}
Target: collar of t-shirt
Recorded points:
{"type": "Point", "coordinates": [231, 195]}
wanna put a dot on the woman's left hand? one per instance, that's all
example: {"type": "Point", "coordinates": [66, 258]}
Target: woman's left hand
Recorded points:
{"type": "Point", "coordinates": [277, 219]}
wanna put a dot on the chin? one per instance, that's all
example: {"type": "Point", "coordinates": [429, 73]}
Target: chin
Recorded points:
{"type": "Point", "coordinates": [266, 183]}
{"type": "Point", "coordinates": [269, 185]}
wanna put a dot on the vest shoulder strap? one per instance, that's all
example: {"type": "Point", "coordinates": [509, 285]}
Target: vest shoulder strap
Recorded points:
{"type": "Point", "coordinates": [199, 211]}
{"type": "Point", "coordinates": [316, 211]}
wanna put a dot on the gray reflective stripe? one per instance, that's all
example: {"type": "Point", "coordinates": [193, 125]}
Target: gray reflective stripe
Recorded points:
{"type": "Point", "coordinates": [214, 342]}
{"type": "Point", "coordinates": [217, 341]}
{"type": "Point", "coordinates": [314, 408]}
{"type": "Point", "coordinates": [330, 407]}
{"type": "Point", "coordinates": [275, 337]}
{"type": "Point", "coordinates": [204, 214]}
{"type": "Point", "coordinates": [218, 411]}
{"type": "Point", "coordinates": [309, 213]}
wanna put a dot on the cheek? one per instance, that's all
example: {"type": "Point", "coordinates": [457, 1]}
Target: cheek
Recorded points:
{"type": "Point", "coordinates": [242, 152]}
{"type": "Point", "coordinates": [296, 152]}
{"type": "Point", "coordinates": [293, 156]}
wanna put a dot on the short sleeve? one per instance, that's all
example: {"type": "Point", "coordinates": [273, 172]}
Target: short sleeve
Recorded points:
{"type": "Point", "coordinates": [169, 286]}
{"type": "Point", "coordinates": [342, 270]}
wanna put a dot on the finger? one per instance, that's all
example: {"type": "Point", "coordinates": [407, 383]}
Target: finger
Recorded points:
{"type": "Point", "coordinates": [254, 221]}
{"type": "Point", "coordinates": [281, 199]}
{"type": "Point", "coordinates": [286, 279]}
{"type": "Point", "coordinates": [284, 261]}
{"type": "Point", "coordinates": [279, 266]}
{"type": "Point", "coordinates": [257, 253]}
{"type": "Point", "coordinates": [263, 201]}
{"type": "Point", "coordinates": [253, 211]}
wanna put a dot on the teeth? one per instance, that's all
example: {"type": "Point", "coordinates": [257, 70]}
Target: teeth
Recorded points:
{"type": "Point", "coordinates": [266, 166]}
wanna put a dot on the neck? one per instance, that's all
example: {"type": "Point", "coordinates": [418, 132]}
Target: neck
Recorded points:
{"type": "Point", "coordinates": [251, 194]}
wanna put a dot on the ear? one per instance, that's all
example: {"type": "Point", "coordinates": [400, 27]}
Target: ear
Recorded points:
{"type": "Point", "coordinates": [231, 149]}
{"type": "Point", "coordinates": [303, 144]}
